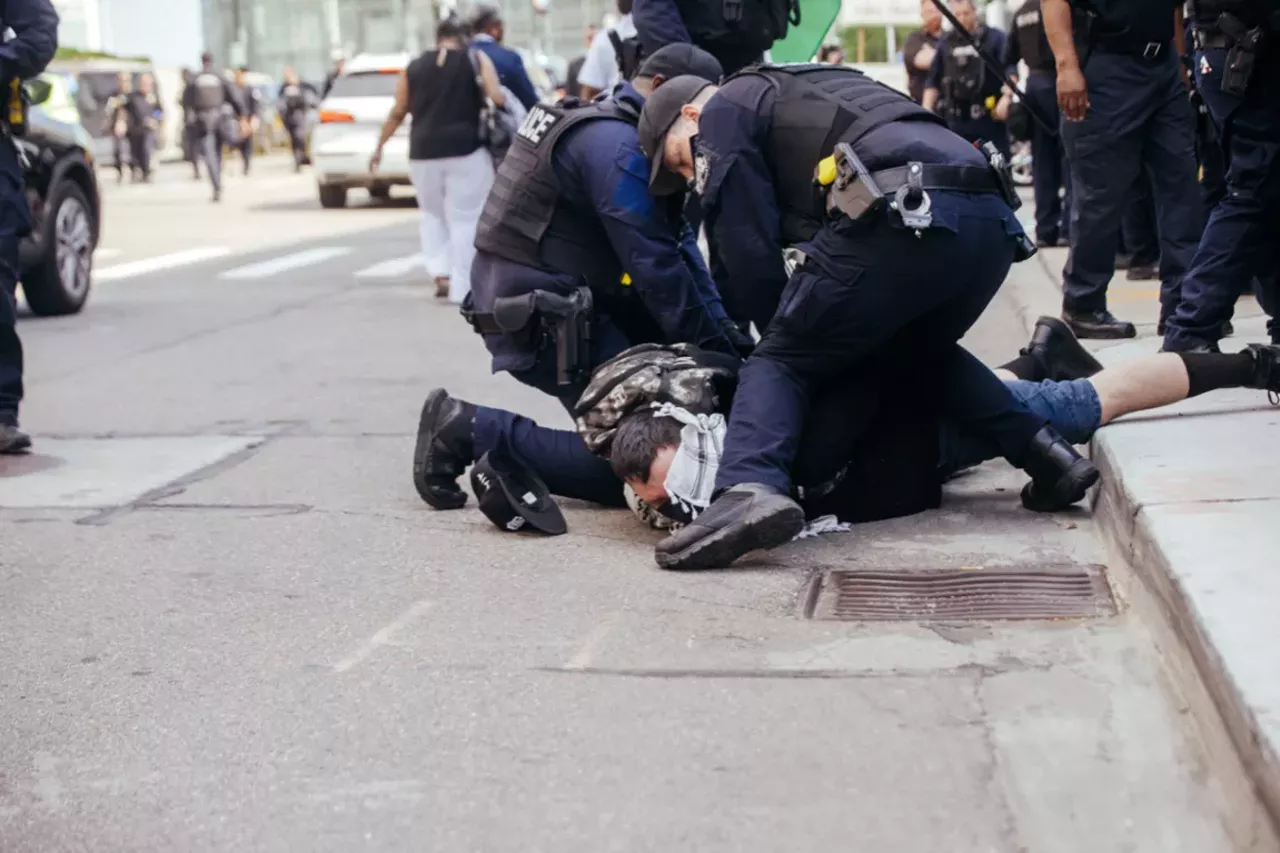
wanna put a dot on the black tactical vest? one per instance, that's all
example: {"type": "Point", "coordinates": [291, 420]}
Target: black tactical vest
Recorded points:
{"type": "Point", "coordinates": [963, 73]}
{"type": "Point", "coordinates": [1033, 44]}
{"type": "Point", "coordinates": [816, 107]}
{"type": "Point", "coordinates": [210, 93]}
{"type": "Point", "coordinates": [1252, 13]}
{"type": "Point", "coordinates": [753, 24]}
{"type": "Point", "coordinates": [525, 191]}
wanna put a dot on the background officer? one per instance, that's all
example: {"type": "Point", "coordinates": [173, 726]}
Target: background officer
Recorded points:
{"type": "Point", "coordinates": [1048, 161]}
{"type": "Point", "coordinates": [249, 100]}
{"type": "Point", "coordinates": [569, 207]}
{"type": "Point", "coordinates": [118, 123]}
{"type": "Point", "coordinates": [35, 39]}
{"type": "Point", "coordinates": [734, 43]}
{"type": "Point", "coordinates": [1125, 110]}
{"type": "Point", "coordinates": [920, 48]}
{"type": "Point", "coordinates": [295, 102]}
{"type": "Point", "coordinates": [143, 112]}
{"type": "Point", "coordinates": [960, 88]}
{"type": "Point", "coordinates": [206, 96]}
{"type": "Point", "coordinates": [1237, 66]}
{"type": "Point", "coordinates": [190, 137]}
{"type": "Point", "coordinates": [910, 281]}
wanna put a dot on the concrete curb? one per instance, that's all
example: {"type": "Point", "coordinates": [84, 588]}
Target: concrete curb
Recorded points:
{"type": "Point", "coordinates": [1193, 588]}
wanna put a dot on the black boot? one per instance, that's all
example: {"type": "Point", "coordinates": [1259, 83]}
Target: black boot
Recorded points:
{"type": "Point", "coordinates": [1143, 272]}
{"type": "Point", "coordinates": [744, 518]}
{"type": "Point", "coordinates": [444, 450]}
{"type": "Point", "coordinates": [1058, 351]}
{"type": "Point", "coordinates": [1098, 324]}
{"type": "Point", "coordinates": [1266, 367]}
{"type": "Point", "coordinates": [13, 440]}
{"type": "Point", "coordinates": [1060, 476]}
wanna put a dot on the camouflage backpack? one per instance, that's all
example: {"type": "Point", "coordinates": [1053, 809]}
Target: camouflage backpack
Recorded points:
{"type": "Point", "coordinates": [684, 375]}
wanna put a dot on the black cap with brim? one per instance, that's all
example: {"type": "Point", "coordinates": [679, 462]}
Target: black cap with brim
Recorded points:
{"type": "Point", "coordinates": [661, 110]}
{"type": "Point", "coordinates": [681, 59]}
{"type": "Point", "coordinates": [513, 497]}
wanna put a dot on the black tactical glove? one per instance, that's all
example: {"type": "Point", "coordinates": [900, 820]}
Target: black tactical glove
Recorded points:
{"type": "Point", "coordinates": [742, 342]}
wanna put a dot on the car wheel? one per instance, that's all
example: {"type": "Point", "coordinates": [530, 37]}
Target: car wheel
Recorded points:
{"type": "Point", "coordinates": [59, 282]}
{"type": "Point", "coordinates": [333, 197]}
{"type": "Point", "coordinates": [381, 192]}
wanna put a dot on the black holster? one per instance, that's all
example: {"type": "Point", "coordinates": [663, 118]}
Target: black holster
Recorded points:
{"type": "Point", "coordinates": [530, 319]}
{"type": "Point", "coordinates": [1242, 55]}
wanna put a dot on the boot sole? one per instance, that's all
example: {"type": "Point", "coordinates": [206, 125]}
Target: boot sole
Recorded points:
{"type": "Point", "coordinates": [426, 430]}
{"type": "Point", "coordinates": [1104, 334]}
{"type": "Point", "coordinates": [1062, 330]}
{"type": "Point", "coordinates": [1072, 487]}
{"type": "Point", "coordinates": [16, 448]}
{"type": "Point", "coordinates": [720, 549]}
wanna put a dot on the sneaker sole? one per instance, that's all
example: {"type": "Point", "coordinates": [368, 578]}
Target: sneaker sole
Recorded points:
{"type": "Point", "coordinates": [719, 550]}
{"type": "Point", "coordinates": [18, 448]}
{"type": "Point", "coordinates": [427, 428]}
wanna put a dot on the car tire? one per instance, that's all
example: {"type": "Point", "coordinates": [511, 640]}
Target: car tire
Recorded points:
{"type": "Point", "coordinates": [59, 282]}
{"type": "Point", "coordinates": [333, 197]}
{"type": "Point", "coordinates": [380, 192]}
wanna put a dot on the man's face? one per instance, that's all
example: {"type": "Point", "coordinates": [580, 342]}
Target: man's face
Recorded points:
{"type": "Point", "coordinates": [677, 148]}
{"type": "Point", "coordinates": [654, 492]}
{"type": "Point", "coordinates": [966, 14]}
{"type": "Point", "coordinates": [144, 84]}
{"type": "Point", "coordinates": [931, 17]}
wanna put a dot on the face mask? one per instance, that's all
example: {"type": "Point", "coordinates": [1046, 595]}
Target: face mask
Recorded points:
{"type": "Point", "coordinates": [691, 479]}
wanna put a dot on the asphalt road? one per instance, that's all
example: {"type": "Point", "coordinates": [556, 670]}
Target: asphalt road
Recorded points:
{"type": "Point", "coordinates": [229, 624]}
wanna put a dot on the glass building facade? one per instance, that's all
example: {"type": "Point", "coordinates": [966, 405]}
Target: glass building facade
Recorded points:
{"type": "Point", "coordinates": [267, 35]}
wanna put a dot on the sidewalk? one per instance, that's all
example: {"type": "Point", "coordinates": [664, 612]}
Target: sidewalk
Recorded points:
{"type": "Point", "coordinates": [1190, 496]}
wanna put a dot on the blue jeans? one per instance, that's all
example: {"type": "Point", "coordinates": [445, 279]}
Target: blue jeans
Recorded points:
{"type": "Point", "coordinates": [1072, 408]}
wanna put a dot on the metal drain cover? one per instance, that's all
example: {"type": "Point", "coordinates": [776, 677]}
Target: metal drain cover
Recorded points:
{"type": "Point", "coordinates": [958, 595]}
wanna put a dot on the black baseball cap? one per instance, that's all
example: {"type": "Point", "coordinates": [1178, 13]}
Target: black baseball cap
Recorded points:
{"type": "Point", "coordinates": [661, 109]}
{"type": "Point", "coordinates": [680, 59]}
{"type": "Point", "coordinates": [513, 497]}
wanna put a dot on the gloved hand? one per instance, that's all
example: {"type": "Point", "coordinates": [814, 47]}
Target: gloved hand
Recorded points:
{"type": "Point", "coordinates": [741, 341]}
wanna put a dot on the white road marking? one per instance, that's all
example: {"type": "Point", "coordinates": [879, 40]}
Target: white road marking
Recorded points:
{"type": "Point", "coordinates": [101, 254]}
{"type": "Point", "coordinates": [296, 260]}
{"type": "Point", "coordinates": [393, 268]}
{"type": "Point", "coordinates": [592, 643]}
{"type": "Point", "coordinates": [383, 637]}
{"type": "Point", "coordinates": [163, 262]}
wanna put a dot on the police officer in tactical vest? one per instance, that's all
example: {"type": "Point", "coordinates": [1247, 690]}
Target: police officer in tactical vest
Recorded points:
{"type": "Point", "coordinates": [207, 96]}
{"type": "Point", "coordinates": [735, 32]}
{"type": "Point", "coordinates": [1237, 68]}
{"type": "Point", "coordinates": [295, 101]}
{"type": "Point", "coordinates": [908, 231]}
{"type": "Point", "coordinates": [35, 39]}
{"type": "Point", "coordinates": [575, 262]}
{"type": "Point", "coordinates": [1048, 161]}
{"type": "Point", "coordinates": [1125, 110]}
{"type": "Point", "coordinates": [961, 88]}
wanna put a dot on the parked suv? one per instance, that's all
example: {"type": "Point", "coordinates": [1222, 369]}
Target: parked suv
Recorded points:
{"type": "Point", "coordinates": [57, 257]}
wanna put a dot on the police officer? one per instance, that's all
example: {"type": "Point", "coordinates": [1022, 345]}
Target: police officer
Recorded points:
{"type": "Point", "coordinates": [250, 101]}
{"type": "Point", "coordinates": [144, 112]}
{"type": "Point", "coordinates": [1048, 160]}
{"type": "Point", "coordinates": [35, 39]}
{"type": "Point", "coordinates": [117, 110]}
{"type": "Point", "coordinates": [190, 137]}
{"type": "Point", "coordinates": [961, 88]}
{"type": "Point", "coordinates": [735, 32]}
{"type": "Point", "coordinates": [1125, 110]}
{"type": "Point", "coordinates": [1237, 67]}
{"type": "Point", "coordinates": [207, 96]}
{"type": "Point", "coordinates": [569, 216]}
{"type": "Point", "coordinates": [295, 102]}
{"type": "Point", "coordinates": [910, 240]}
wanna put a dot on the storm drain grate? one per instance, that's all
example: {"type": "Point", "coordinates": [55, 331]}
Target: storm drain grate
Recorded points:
{"type": "Point", "coordinates": [943, 595]}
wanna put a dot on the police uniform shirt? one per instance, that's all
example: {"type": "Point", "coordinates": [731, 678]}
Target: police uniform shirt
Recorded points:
{"type": "Point", "coordinates": [1131, 24]}
{"type": "Point", "coordinates": [993, 43]}
{"type": "Point", "coordinates": [734, 182]}
{"type": "Point", "coordinates": [1028, 41]}
{"type": "Point", "coordinates": [604, 188]}
{"type": "Point", "coordinates": [915, 42]}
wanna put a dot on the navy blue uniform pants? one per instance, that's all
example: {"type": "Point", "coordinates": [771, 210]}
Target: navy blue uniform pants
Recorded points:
{"type": "Point", "coordinates": [1048, 160]}
{"type": "Point", "coordinates": [984, 129]}
{"type": "Point", "coordinates": [1139, 120]}
{"type": "Point", "coordinates": [15, 221]}
{"type": "Point", "coordinates": [558, 456]}
{"type": "Point", "coordinates": [1240, 239]}
{"type": "Point", "coordinates": [864, 287]}
{"type": "Point", "coordinates": [1139, 237]}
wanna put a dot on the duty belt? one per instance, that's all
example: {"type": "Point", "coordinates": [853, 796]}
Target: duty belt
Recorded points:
{"type": "Point", "coordinates": [1151, 51]}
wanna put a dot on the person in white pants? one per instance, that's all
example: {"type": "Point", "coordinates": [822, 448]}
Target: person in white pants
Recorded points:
{"type": "Point", "coordinates": [444, 90]}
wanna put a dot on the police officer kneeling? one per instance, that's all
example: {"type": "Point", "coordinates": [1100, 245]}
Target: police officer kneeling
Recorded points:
{"type": "Point", "coordinates": [575, 263]}
{"type": "Point", "coordinates": [907, 238]}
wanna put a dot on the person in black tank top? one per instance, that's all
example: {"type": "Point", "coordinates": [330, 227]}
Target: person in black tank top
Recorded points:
{"type": "Point", "coordinates": [445, 90]}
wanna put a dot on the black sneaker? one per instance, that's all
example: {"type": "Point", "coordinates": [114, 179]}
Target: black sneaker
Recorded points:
{"type": "Point", "coordinates": [744, 518]}
{"type": "Point", "coordinates": [444, 450]}
{"type": "Point", "coordinates": [1060, 476]}
{"type": "Point", "coordinates": [1266, 369]}
{"type": "Point", "coordinates": [1058, 351]}
{"type": "Point", "coordinates": [1143, 272]}
{"type": "Point", "coordinates": [1098, 324]}
{"type": "Point", "coordinates": [13, 440]}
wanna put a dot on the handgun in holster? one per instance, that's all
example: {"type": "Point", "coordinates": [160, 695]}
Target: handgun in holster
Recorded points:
{"type": "Point", "coordinates": [16, 106]}
{"type": "Point", "coordinates": [566, 318]}
{"type": "Point", "coordinates": [1002, 169]}
{"type": "Point", "coordinates": [1242, 55]}
{"type": "Point", "coordinates": [850, 187]}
